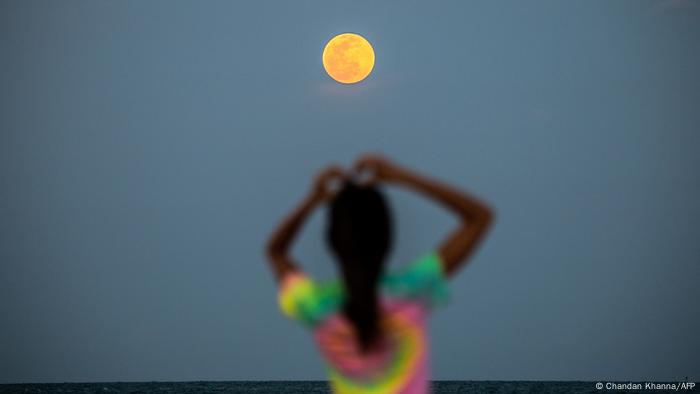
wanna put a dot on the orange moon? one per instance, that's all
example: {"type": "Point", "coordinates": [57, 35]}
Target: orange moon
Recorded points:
{"type": "Point", "coordinates": [348, 58]}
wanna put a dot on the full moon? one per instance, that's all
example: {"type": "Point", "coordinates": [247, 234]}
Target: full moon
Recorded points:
{"type": "Point", "coordinates": [348, 58]}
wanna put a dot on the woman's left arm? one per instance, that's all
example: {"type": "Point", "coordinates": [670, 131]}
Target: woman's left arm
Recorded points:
{"type": "Point", "coordinates": [279, 245]}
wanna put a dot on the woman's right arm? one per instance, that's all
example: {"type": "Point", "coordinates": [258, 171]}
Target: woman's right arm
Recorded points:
{"type": "Point", "coordinates": [280, 243]}
{"type": "Point", "coordinates": [475, 216]}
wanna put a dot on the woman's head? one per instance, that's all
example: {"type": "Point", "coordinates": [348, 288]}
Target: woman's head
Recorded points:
{"type": "Point", "coordinates": [360, 235]}
{"type": "Point", "coordinates": [359, 228]}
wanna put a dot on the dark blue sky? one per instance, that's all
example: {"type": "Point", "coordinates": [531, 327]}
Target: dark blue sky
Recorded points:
{"type": "Point", "coordinates": [148, 148]}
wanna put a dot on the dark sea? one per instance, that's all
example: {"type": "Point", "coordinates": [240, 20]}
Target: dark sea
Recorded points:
{"type": "Point", "coordinates": [312, 387]}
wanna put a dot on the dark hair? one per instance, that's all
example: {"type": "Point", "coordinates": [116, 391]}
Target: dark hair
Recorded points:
{"type": "Point", "coordinates": [360, 235]}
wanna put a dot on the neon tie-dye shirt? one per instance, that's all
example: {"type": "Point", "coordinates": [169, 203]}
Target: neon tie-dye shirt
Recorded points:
{"type": "Point", "coordinates": [400, 365]}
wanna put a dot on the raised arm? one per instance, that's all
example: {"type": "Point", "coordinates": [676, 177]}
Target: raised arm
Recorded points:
{"type": "Point", "coordinates": [279, 245]}
{"type": "Point", "coordinates": [475, 216]}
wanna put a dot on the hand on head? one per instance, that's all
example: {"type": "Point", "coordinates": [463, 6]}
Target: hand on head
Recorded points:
{"type": "Point", "coordinates": [368, 170]}
{"type": "Point", "coordinates": [328, 182]}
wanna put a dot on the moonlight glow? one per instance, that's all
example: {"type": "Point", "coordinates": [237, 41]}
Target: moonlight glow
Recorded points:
{"type": "Point", "coordinates": [348, 58]}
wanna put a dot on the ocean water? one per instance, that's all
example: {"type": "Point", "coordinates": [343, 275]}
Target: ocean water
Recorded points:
{"type": "Point", "coordinates": [307, 387]}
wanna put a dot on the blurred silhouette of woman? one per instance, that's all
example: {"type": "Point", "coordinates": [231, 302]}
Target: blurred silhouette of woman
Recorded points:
{"type": "Point", "coordinates": [370, 325]}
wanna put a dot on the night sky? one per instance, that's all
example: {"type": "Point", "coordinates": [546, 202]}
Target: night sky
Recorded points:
{"type": "Point", "coordinates": [147, 149]}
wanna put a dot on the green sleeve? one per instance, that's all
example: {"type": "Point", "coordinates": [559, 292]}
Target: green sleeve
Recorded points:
{"type": "Point", "coordinates": [302, 299]}
{"type": "Point", "coordinates": [423, 280]}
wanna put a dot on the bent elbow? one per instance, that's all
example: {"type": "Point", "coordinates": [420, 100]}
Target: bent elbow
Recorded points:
{"type": "Point", "coordinates": [273, 251]}
{"type": "Point", "coordinates": [482, 217]}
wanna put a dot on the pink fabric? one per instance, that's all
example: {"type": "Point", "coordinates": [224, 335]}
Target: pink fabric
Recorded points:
{"type": "Point", "coordinates": [403, 324]}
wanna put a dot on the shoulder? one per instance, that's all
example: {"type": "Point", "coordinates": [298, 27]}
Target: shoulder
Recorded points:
{"type": "Point", "coordinates": [427, 267]}
{"type": "Point", "coordinates": [422, 279]}
{"type": "Point", "coordinates": [306, 300]}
